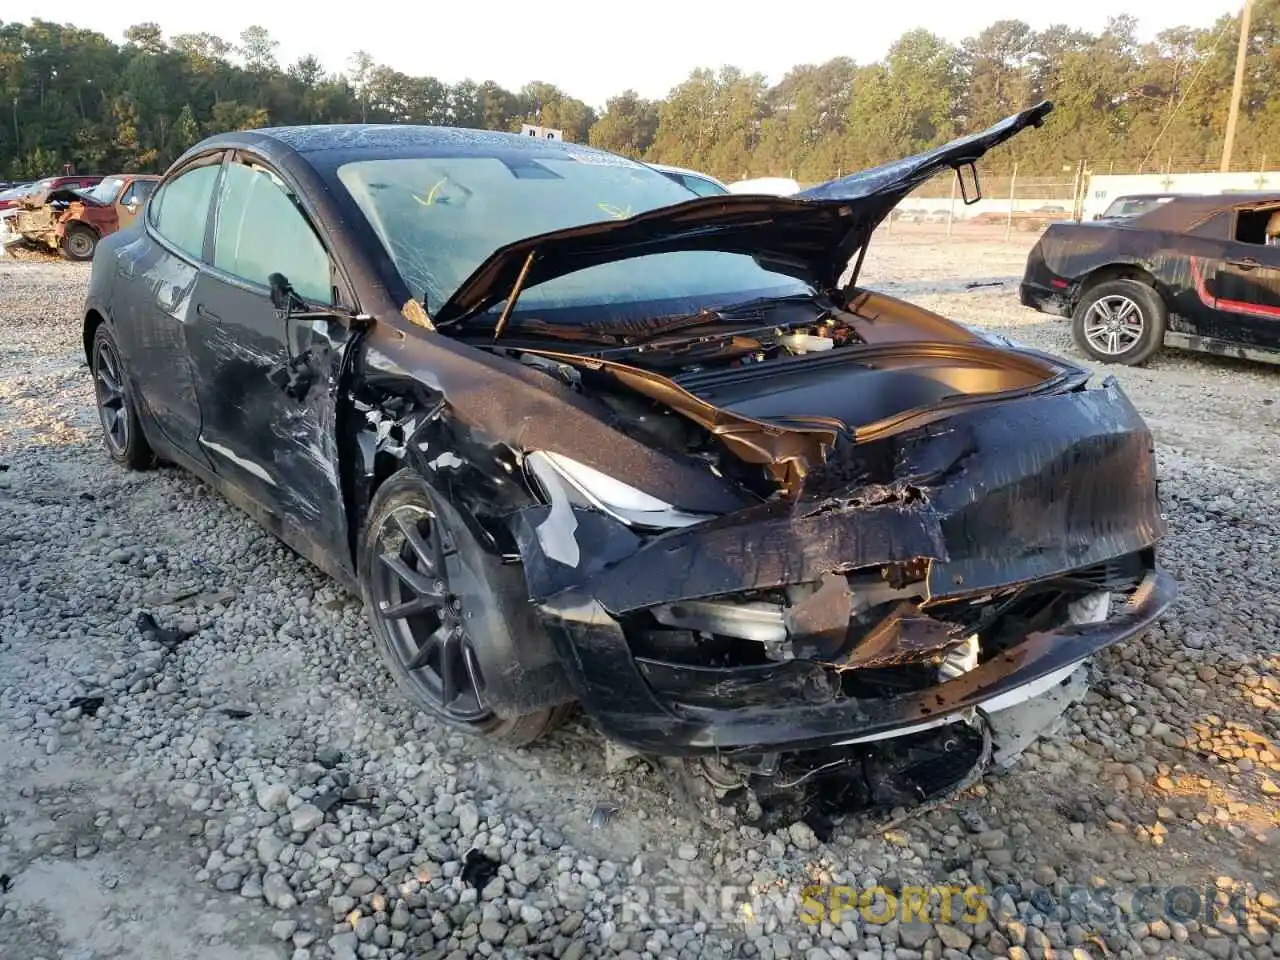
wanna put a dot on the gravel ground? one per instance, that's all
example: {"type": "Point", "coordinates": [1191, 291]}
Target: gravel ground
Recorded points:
{"type": "Point", "coordinates": [259, 790]}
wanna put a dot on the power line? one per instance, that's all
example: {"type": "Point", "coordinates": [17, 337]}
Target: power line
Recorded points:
{"type": "Point", "coordinates": [1186, 93]}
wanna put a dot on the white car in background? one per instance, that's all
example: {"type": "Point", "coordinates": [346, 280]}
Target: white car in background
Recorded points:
{"type": "Point", "coordinates": [703, 184]}
{"type": "Point", "coordinates": [771, 186]}
{"type": "Point", "coordinates": [706, 185]}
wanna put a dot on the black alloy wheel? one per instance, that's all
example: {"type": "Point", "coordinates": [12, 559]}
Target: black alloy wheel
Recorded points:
{"type": "Point", "coordinates": [426, 592]}
{"type": "Point", "coordinates": [425, 622]}
{"type": "Point", "coordinates": [121, 431]}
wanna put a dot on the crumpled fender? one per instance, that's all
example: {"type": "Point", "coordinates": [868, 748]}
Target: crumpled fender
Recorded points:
{"type": "Point", "coordinates": [994, 496]}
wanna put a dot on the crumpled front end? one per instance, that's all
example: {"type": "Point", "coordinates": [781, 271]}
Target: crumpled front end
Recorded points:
{"type": "Point", "coordinates": [8, 235]}
{"type": "Point", "coordinates": [38, 225]}
{"type": "Point", "coordinates": [971, 564]}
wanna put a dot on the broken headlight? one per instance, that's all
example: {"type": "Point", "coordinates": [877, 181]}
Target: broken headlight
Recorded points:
{"type": "Point", "coordinates": [587, 487]}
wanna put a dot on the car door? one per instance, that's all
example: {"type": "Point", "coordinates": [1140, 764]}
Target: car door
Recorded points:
{"type": "Point", "coordinates": [267, 384]}
{"type": "Point", "coordinates": [1245, 284]}
{"type": "Point", "coordinates": [152, 301]}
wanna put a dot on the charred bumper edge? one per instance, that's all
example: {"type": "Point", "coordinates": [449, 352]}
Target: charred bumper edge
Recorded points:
{"type": "Point", "coordinates": [615, 691]}
{"type": "Point", "coordinates": [1046, 299]}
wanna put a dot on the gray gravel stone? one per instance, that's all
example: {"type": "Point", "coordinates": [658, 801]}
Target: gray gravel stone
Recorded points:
{"type": "Point", "coordinates": [1117, 793]}
{"type": "Point", "coordinates": [306, 818]}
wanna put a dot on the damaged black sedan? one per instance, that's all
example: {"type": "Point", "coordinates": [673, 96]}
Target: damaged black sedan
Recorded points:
{"type": "Point", "coordinates": [579, 436]}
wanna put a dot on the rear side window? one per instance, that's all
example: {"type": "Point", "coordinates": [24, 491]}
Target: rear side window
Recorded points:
{"type": "Point", "coordinates": [259, 231]}
{"type": "Point", "coordinates": [703, 188]}
{"type": "Point", "coordinates": [181, 207]}
{"type": "Point", "coordinates": [1254, 226]}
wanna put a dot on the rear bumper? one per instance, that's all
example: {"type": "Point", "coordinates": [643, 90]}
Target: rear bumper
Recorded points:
{"type": "Point", "coordinates": [998, 497]}
{"type": "Point", "coordinates": [1046, 299]}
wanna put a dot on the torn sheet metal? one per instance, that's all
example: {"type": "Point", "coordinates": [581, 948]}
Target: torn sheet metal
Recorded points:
{"type": "Point", "coordinates": [672, 711]}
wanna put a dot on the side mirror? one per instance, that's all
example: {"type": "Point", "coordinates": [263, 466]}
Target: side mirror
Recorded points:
{"type": "Point", "coordinates": [292, 307]}
{"type": "Point", "coordinates": [282, 295]}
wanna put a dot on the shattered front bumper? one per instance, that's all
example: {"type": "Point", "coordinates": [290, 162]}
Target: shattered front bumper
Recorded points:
{"type": "Point", "coordinates": [667, 709]}
{"type": "Point", "coordinates": [1000, 496]}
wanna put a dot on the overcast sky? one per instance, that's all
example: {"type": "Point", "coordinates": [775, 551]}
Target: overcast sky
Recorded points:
{"type": "Point", "coordinates": [595, 49]}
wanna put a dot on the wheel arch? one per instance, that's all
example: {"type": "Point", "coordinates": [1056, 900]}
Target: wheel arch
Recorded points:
{"type": "Point", "coordinates": [82, 225]}
{"type": "Point", "coordinates": [1116, 271]}
{"type": "Point", "coordinates": [93, 319]}
{"type": "Point", "coordinates": [401, 423]}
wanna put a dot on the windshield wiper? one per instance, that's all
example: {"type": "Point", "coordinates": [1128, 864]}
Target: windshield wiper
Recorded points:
{"type": "Point", "coordinates": [730, 312]}
{"type": "Point", "coordinates": [561, 331]}
{"type": "Point", "coordinates": [736, 329]}
{"type": "Point", "coordinates": [624, 336]}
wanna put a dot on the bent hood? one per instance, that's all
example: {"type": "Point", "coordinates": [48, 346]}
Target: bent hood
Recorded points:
{"type": "Point", "coordinates": [811, 235]}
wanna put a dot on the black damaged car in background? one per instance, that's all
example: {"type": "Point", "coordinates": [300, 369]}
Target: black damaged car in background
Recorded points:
{"type": "Point", "coordinates": [579, 436]}
{"type": "Point", "coordinates": [1197, 272]}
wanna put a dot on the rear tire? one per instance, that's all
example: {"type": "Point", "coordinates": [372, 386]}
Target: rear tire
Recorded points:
{"type": "Point", "coordinates": [78, 243]}
{"type": "Point", "coordinates": [417, 584]}
{"type": "Point", "coordinates": [1120, 321]}
{"type": "Point", "coordinates": [121, 429]}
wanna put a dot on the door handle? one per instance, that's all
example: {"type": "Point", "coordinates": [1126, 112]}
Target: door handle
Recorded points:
{"type": "Point", "coordinates": [1244, 263]}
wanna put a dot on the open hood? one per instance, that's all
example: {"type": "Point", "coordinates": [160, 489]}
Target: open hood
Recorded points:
{"type": "Point", "coordinates": [60, 195]}
{"type": "Point", "coordinates": [811, 235]}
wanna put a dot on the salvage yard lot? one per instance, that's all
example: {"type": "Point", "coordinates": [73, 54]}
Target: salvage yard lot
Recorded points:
{"type": "Point", "coordinates": [175, 817]}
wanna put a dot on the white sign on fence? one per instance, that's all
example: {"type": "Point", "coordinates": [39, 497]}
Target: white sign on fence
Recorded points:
{"type": "Point", "coordinates": [545, 133]}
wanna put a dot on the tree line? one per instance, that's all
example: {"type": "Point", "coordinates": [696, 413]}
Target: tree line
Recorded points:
{"type": "Point", "coordinates": [76, 97]}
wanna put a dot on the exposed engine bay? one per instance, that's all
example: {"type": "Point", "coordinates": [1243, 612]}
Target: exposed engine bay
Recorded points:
{"type": "Point", "coordinates": [743, 394]}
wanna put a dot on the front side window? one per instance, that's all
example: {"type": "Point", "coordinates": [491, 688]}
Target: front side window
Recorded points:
{"type": "Point", "coordinates": [439, 218]}
{"type": "Point", "coordinates": [105, 190]}
{"type": "Point", "coordinates": [138, 192]}
{"type": "Point", "coordinates": [181, 208]}
{"type": "Point", "coordinates": [259, 230]}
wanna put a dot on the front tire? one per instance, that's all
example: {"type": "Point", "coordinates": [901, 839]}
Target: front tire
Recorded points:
{"type": "Point", "coordinates": [1120, 321]}
{"type": "Point", "coordinates": [418, 576]}
{"type": "Point", "coordinates": [121, 430]}
{"type": "Point", "coordinates": [78, 243]}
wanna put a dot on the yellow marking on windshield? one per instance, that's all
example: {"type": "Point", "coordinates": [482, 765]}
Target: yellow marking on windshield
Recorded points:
{"type": "Point", "coordinates": [431, 194]}
{"type": "Point", "coordinates": [617, 213]}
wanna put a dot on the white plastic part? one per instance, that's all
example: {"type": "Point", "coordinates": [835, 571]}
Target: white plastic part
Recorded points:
{"type": "Point", "coordinates": [805, 342]}
{"type": "Point", "coordinates": [620, 500]}
{"type": "Point", "coordinates": [960, 660]}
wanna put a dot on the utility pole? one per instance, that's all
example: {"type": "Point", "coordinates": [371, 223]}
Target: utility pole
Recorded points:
{"type": "Point", "coordinates": [1237, 88]}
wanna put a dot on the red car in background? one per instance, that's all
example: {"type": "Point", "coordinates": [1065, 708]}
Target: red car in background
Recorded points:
{"type": "Point", "coordinates": [10, 198]}
{"type": "Point", "coordinates": [73, 221]}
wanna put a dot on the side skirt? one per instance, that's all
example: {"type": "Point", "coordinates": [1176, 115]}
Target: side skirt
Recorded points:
{"type": "Point", "coordinates": [1220, 348]}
